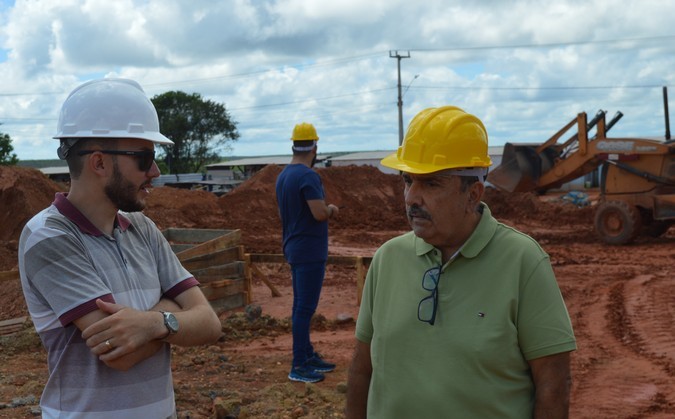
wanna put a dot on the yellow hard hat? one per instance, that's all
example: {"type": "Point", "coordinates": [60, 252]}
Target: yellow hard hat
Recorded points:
{"type": "Point", "coordinates": [304, 131]}
{"type": "Point", "coordinates": [441, 138]}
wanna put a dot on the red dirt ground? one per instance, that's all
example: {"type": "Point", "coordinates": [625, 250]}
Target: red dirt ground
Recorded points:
{"type": "Point", "coordinates": [621, 300]}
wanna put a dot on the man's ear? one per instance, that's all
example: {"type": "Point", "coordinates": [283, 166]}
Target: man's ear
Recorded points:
{"type": "Point", "coordinates": [476, 194]}
{"type": "Point", "coordinates": [97, 164]}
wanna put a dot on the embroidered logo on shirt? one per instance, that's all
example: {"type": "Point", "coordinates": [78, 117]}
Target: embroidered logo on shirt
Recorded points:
{"type": "Point", "coordinates": [481, 314]}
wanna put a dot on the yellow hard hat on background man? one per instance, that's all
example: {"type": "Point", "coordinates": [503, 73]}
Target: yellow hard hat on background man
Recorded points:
{"type": "Point", "coordinates": [440, 139]}
{"type": "Point", "coordinates": [304, 131]}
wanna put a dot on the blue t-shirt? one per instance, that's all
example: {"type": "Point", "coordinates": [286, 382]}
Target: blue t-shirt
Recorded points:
{"type": "Point", "coordinates": [305, 239]}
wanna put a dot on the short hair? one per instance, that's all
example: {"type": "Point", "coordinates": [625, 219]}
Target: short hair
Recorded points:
{"type": "Point", "coordinates": [467, 181]}
{"type": "Point", "coordinates": [76, 162]}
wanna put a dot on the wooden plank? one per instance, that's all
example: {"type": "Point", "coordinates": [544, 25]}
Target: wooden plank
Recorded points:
{"type": "Point", "coordinates": [179, 247]}
{"type": "Point", "coordinates": [9, 276]}
{"type": "Point", "coordinates": [263, 277]}
{"type": "Point", "coordinates": [230, 270]}
{"type": "Point", "coordinates": [192, 235]}
{"type": "Point", "coordinates": [220, 257]}
{"type": "Point", "coordinates": [206, 279]}
{"type": "Point", "coordinates": [224, 289]}
{"type": "Point", "coordinates": [10, 326]}
{"type": "Point", "coordinates": [219, 243]}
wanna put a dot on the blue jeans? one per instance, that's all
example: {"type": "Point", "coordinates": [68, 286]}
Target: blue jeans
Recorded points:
{"type": "Point", "coordinates": [307, 283]}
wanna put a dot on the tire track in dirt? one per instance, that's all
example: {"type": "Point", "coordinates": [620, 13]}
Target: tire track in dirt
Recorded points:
{"type": "Point", "coordinates": [623, 321]}
{"type": "Point", "coordinates": [649, 302]}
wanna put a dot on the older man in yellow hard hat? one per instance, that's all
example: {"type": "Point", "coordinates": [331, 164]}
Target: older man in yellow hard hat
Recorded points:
{"type": "Point", "coordinates": [462, 317]}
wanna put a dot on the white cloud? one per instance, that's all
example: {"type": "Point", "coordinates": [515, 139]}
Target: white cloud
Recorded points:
{"type": "Point", "coordinates": [277, 62]}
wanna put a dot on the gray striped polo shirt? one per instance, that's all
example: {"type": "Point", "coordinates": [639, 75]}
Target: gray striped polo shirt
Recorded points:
{"type": "Point", "coordinates": [66, 263]}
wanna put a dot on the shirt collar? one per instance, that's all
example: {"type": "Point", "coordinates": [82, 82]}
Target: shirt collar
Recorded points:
{"type": "Point", "coordinates": [68, 210]}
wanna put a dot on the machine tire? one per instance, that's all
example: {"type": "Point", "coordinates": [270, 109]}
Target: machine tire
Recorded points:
{"type": "Point", "coordinates": [617, 222]}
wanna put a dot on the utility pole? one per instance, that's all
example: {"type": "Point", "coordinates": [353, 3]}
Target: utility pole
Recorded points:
{"type": "Point", "coordinates": [395, 54]}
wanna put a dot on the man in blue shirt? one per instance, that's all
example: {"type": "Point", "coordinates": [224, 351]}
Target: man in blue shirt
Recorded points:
{"type": "Point", "coordinates": [304, 218]}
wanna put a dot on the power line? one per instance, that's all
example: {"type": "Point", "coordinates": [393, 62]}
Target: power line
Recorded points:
{"type": "Point", "coordinates": [342, 60]}
{"type": "Point", "coordinates": [326, 63]}
{"type": "Point", "coordinates": [31, 94]}
{"type": "Point", "coordinates": [643, 86]}
{"type": "Point", "coordinates": [309, 100]}
{"type": "Point", "coordinates": [546, 45]}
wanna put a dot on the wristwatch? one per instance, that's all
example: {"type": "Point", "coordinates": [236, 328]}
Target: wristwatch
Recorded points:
{"type": "Point", "coordinates": [171, 322]}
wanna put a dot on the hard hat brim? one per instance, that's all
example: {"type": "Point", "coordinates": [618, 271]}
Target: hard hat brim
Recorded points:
{"type": "Point", "coordinates": [155, 137]}
{"type": "Point", "coordinates": [392, 161]}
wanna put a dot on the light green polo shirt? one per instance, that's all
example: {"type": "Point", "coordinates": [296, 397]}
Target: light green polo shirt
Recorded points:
{"type": "Point", "coordinates": [499, 305]}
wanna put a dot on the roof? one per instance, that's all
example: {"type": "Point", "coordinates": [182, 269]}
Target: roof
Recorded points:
{"type": "Point", "coordinates": [365, 155]}
{"type": "Point", "coordinates": [258, 161]}
{"type": "Point", "coordinates": [55, 170]}
{"type": "Point", "coordinates": [252, 161]}
{"type": "Point", "coordinates": [496, 150]}
{"type": "Point", "coordinates": [284, 160]}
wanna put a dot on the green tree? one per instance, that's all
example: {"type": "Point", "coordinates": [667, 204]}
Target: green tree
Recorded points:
{"type": "Point", "coordinates": [199, 128]}
{"type": "Point", "coordinates": [7, 158]}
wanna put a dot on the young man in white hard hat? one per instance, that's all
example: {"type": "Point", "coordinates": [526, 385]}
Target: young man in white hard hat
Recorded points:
{"type": "Point", "coordinates": [304, 218]}
{"type": "Point", "coordinates": [106, 293]}
{"type": "Point", "coordinates": [461, 317]}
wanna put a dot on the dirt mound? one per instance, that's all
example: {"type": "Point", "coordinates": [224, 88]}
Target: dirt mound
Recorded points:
{"type": "Point", "coordinates": [252, 208]}
{"type": "Point", "coordinates": [23, 193]}
{"type": "Point", "coordinates": [371, 209]}
{"type": "Point", "coordinates": [519, 206]}
{"type": "Point", "coordinates": [183, 208]}
{"type": "Point", "coordinates": [368, 199]}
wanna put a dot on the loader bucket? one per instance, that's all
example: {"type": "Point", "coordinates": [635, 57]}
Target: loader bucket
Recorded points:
{"type": "Point", "coordinates": [520, 169]}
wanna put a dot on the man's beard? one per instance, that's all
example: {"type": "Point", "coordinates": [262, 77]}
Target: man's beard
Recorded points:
{"type": "Point", "coordinates": [313, 161]}
{"type": "Point", "coordinates": [122, 193]}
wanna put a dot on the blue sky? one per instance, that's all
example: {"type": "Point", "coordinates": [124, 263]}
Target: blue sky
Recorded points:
{"type": "Point", "coordinates": [525, 68]}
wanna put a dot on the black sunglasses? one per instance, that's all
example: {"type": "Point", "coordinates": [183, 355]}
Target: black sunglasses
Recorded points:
{"type": "Point", "coordinates": [145, 157]}
{"type": "Point", "coordinates": [426, 310]}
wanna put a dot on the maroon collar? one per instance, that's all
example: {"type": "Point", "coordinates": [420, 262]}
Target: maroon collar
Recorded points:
{"type": "Point", "coordinates": [68, 210]}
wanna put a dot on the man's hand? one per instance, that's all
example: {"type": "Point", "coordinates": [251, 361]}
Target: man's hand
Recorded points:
{"type": "Point", "coordinates": [124, 331]}
{"type": "Point", "coordinates": [333, 210]}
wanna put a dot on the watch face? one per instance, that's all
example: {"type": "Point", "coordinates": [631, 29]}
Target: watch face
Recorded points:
{"type": "Point", "coordinates": [171, 322]}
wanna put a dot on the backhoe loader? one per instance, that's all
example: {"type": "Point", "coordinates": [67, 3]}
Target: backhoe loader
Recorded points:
{"type": "Point", "coordinates": [637, 175]}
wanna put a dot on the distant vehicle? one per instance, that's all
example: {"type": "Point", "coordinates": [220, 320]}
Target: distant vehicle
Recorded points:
{"type": "Point", "coordinates": [637, 184]}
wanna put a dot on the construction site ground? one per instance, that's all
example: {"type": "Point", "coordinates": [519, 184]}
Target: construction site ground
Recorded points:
{"type": "Point", "coordinates": [621, 300]}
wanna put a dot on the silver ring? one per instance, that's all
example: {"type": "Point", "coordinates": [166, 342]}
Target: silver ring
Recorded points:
{"type": "Point", "coordinates": [108, 344]}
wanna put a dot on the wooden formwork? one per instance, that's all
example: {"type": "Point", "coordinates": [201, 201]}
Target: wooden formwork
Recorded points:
{"type": "Point", "coordinates": [10, 326]}
{"type": "Point", "coordinates": [217, 260]}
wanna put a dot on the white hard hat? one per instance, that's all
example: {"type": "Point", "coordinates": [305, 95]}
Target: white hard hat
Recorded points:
{"type": "Point", "coordinates": [109, 108]}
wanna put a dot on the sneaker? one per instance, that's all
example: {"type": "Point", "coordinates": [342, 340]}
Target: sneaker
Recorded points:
{"type": "Point", "coordinates": [319, 365]}
{"type": "Point", "coordinates": [305, 374]}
